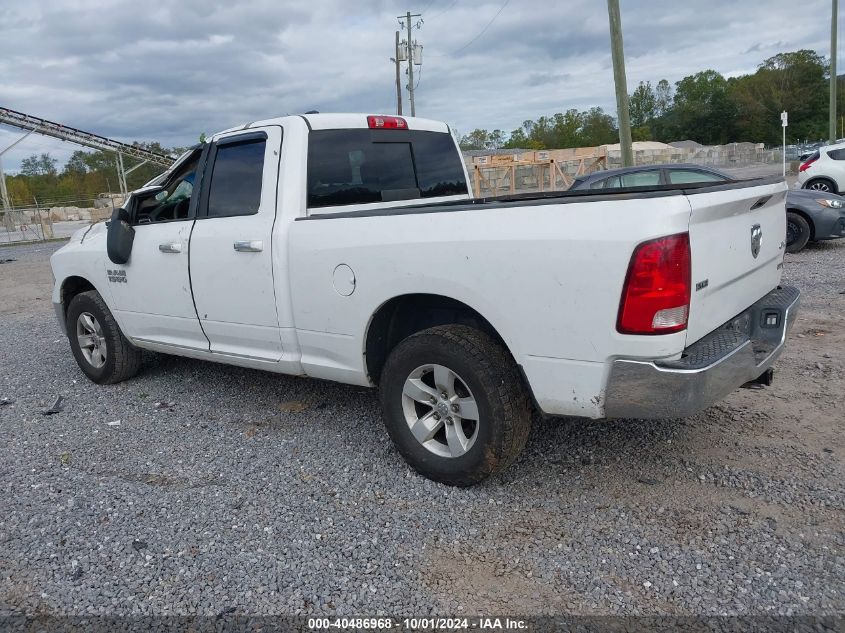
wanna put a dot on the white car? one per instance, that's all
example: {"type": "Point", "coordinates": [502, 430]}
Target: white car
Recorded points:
{"type": "Point", "coordinates": [348, 248]}
{"type": "Point", "coordinates": [824, 169]}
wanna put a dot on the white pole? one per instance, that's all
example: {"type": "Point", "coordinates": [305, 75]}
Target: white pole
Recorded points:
{"type": "Point", "coordinates": [784, 121]}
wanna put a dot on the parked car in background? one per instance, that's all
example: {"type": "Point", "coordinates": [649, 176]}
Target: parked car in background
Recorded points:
{"type": "Point", "coordinates": [824, 169]}
{"type": "Point", "coordinates": [811, 214]}
{"type": "Point", "coordinates": [806, 150]}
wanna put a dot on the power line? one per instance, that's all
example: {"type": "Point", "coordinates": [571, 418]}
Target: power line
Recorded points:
{"type": "Point", "coordinates": [446, 10]}
{"type": "Point", "coordinates": [482, 32]}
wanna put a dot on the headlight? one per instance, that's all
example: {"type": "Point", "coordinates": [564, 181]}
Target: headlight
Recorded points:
{"type": "Point", "coordinates": [831, 204]}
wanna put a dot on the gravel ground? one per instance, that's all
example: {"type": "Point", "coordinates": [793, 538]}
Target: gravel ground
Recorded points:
{"type": "Point", "coordinates": [264, 494]}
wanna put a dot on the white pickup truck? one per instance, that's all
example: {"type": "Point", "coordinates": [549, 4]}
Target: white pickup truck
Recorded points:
{"type": "Point", "coordinates": [349, 248]}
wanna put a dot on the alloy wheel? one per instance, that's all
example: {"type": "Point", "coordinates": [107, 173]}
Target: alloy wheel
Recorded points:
{"type": "Point", "coordinates": [440, 410]}
{"type": "Point", "coordinates": [92, 342]}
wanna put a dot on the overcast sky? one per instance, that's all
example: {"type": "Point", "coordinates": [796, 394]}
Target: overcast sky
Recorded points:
{"type": "Point", "coordinates": [192, 66]}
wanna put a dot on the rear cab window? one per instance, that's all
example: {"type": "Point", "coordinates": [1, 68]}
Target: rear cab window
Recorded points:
{"type": "Point", "coordinates": [363, 166]}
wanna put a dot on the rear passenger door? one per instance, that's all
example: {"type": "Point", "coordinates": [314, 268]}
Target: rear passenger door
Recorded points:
{"type": "Point", "coordinates": [231, 245]}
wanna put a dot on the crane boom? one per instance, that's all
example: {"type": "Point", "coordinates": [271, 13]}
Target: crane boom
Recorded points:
{"type": "Point", "coordinates": [80, 137]}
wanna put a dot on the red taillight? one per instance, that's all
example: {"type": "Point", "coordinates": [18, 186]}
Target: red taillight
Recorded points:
{"type": "Point", "coordinates": [387, 123]}
{"type": "Point", "coordinates": [656, 295]}
{"type": "Point", "coordinates": [807, 163]}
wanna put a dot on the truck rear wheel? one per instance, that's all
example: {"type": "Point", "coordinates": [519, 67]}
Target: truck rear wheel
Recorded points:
{"type": "Point", "coordinates": [99, 347]}
{"type": "Point", "coordinates": [455, 404]}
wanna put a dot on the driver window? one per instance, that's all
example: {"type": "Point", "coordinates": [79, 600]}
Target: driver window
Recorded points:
{"type": "Point", "coordinates": [174, 201]}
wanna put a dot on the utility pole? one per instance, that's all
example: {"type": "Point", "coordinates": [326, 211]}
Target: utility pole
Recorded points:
{"type": "Point", "coordinates": [407, 18]}
{"type": "Point", "coordinates": [411, 65]}
{"type": "Point", "coordinates": [833, 78]}
{"type": "Point", "coordinates": [618, 54]}
{"type": "Point", "coordinates": [398, 79]}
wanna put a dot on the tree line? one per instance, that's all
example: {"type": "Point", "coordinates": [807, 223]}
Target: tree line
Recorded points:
{"type": "Point", "coordinates": [85, 175]}
{"type": "Point", "coordinates": [705, 107]}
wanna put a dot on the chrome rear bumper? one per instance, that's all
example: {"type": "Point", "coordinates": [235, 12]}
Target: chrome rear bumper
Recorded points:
{"type": "Point", "coordinates": [709, 369]}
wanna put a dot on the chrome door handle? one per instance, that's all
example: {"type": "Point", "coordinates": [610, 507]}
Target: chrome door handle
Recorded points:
{"type": "Point", "coordinates": [249, 246]}
{"type": "Point", "coordinates": [170, 247]}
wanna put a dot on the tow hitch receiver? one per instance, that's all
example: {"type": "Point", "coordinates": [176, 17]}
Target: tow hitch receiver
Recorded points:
{"type": "Point", "coordinates": [763, 380]}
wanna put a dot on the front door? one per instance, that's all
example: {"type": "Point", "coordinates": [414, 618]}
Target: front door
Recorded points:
{"type": "Point", "coordinates": [231, 245]}
{"type": "Point", "coordinates": [152, 291]}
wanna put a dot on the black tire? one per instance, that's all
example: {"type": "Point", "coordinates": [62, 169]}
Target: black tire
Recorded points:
{"type": "Point", "coordinates": [797, 232]}
{"type": "Point", "coordinates": [494, 382]}
{"type": "Point", "coordinates": [122, 359]}
{"type": "Point", "coordinates": [822, 184]}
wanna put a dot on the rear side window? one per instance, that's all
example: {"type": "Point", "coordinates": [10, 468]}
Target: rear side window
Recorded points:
{"type": "Point", "coordinates": [682, 176]}
{"type": "Point", "coordinates": [641, 179]}
{"type": "Point", "coordinates": [649, 178]}
{"type": "Point", "coordinates": [236, 176]}
{"type": "Point", "coordinates": [836, 154]}
{"type": "Point", "coordinates": [365, 166]}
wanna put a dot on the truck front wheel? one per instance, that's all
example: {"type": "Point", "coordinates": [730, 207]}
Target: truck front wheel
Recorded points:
{"type": "Point", "coordinates": [100, 349]}
{"type": "Point", "coordinates": [455, 404]}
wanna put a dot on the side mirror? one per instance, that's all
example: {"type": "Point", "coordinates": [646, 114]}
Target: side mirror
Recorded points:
{"type": "Point", "coordinates": [120, 237]}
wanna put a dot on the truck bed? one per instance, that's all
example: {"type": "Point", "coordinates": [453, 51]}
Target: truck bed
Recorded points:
{"type": "Point", "coordinates": [546, 270]}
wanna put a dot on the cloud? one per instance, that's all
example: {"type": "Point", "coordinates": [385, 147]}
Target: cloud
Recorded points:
{"type": "Point", "coordinates": [546, 78]}
{"type": "Point", "coordinates": [181, 68]}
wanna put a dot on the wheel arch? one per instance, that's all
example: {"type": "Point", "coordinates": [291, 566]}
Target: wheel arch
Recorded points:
{"type": "Point", "coordinates": [72, 286]}
{"type": "Point", "coordinates": [404, 315]}
{"type": "Point", "coordinates": [834, 184]}
{"type": "Point", "coordinates": [807, 217]}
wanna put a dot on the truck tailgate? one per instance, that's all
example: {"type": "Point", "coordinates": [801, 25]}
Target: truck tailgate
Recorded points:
{"type": "Point", "coordinates": [737, 240]}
